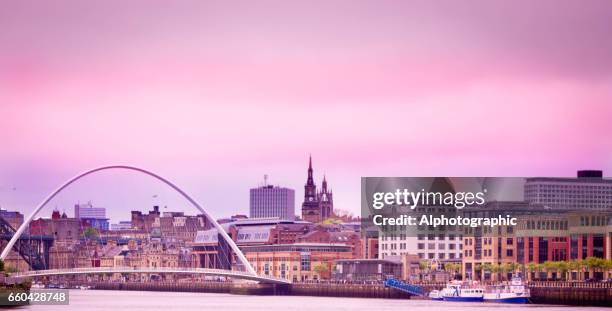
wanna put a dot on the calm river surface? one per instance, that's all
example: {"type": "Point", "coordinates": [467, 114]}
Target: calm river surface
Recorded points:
{"type": "Point", "coordinates": [92, 300]}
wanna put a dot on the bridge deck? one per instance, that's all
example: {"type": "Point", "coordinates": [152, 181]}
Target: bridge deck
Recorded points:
{"type": "Point", "coordinates": [97, 270]}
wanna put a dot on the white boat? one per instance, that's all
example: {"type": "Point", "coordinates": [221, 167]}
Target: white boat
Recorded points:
{"type": "Point", "coordinates": [435, 295]}
{"type": "Point", "coordinates": [457, 291]}
{"type": "Point", "coordinates": [515, 292]}
{"type": "Point", "coordinates": [37, 286]}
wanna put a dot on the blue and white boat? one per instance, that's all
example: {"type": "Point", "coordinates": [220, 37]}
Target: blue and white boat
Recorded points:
{"type": "Point", "coordinates": [435, 295]}
{"type": "Point", "coordinates": [455, 291]}
{"type": "Point", "coordinates": [515, 292]}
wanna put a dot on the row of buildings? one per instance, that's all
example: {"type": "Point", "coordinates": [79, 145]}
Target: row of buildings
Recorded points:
{"type": "Point", "coordinates": [573, 223]}
{"type": "Point", "coordinates": [296, 249]}
{"type": "Point", "coordinates": [560, 219]}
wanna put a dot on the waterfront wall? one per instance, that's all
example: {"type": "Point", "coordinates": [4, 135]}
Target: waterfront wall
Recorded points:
{"type": "Point", "coordinates": [330, 290]}
{"type": "Point", "coordinates": [346, 290]}
{"type": "Point", "coordinates": [212, 287]}
{"type": "Point", "coordinates": [567, 293]}
{"type": "Point", "coordinates": [572, 293]}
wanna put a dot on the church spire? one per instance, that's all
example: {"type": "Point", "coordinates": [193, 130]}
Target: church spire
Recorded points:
{"type": "Point", "coordinates": [310, 162]}
{"type": "Point", "coordinates": [317, 206]}
{"type": "Point", "coordinates": [310, 189]}
{"type": "Point", "coordinates": [310, 180]}
{"type": "Point", "coordinates": [324, 186]}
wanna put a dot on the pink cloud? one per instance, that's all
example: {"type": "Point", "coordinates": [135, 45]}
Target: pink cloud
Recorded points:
{"type": "Point", "coordinates": [217, 95]}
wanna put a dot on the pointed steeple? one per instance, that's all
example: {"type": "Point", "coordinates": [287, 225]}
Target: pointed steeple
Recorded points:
{"type": "Point", "coordinates": [324, 186]}
{"type": "Point", "coordinates": [310, 189]}
{"type": "Point", "coordinates": [310, 162]}
{"type": "Point", "coordinates": [310, 178]}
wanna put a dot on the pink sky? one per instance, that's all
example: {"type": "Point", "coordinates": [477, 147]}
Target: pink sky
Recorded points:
{"type": "Point", "coordinates": [213, 95]}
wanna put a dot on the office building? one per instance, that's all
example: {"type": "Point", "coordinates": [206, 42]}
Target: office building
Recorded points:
{"type": "Point", "coordinates": [589, 190]}
{"type": "Point", "coordinates": [270, 201]}
{"type": "Point", "coordinates": [91, 216]}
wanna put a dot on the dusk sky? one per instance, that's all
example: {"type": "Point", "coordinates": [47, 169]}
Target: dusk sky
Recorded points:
{"type": "Point", "coordinates": [215, 94]}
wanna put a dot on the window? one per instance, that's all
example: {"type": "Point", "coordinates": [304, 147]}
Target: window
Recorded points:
{"type": "Point", "coordinates": [305, 262]}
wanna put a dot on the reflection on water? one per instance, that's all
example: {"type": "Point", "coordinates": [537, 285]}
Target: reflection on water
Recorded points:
{"type": "Point", "coordinates": [92, 300]}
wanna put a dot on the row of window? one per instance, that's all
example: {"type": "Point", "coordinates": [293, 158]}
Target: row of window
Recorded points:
{"type": "Point", "coordinates": [440, 246]}
{"type": "Point", "coordinates": [440, 256]}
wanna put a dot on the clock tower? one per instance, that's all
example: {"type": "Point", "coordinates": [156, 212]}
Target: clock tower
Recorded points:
{"type": "Point", "coordinates": [317, 206]}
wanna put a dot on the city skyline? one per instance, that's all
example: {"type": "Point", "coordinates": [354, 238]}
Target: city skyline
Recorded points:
{"type": "Point", "coordinates": [213, 96]}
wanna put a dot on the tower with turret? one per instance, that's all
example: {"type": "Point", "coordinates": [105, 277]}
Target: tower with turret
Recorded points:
{"type": "Point", "coordinates": [317, 205]}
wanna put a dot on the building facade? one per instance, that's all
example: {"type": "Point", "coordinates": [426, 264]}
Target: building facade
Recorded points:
{"type": "Point", "coordinates": [270, 201]}
{"type": "Point", "coordinates": [13, 218]}
{"type": "Point", "coordinates": [122, 225]}
{"type": "Point", "coordinates": [177, 225]}
{"type": "Point", "coordinates": [296, 262]}
{"type": "Point", "coordinates": [91, 216]}
{"type": "Point", "coordinates": [428, 244]}
{"type": "Point", "coordinates": [589, 191]}
{"type": "Point", "coordinates": [367, 269]}
{"type": "Point", "coordinates": [353, 239]}
{"type": "Point", "coordinates": [141, 221]}
{"type": "Point", "coordinates": [537, 239]}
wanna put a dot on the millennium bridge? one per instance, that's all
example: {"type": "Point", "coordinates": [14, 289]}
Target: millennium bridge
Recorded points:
{"type": "Point", "coordinates": [147, 270]}
{"type": "Point", "coordinates": [30, 252]}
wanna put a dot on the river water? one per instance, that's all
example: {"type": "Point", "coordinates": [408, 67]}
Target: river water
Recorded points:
{"type": "Point", "coordinates": [94, 300]}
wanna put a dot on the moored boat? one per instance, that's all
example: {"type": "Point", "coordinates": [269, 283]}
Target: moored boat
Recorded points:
{"type": "Point", "coordinates": [515, 292]}
{"type": "Point", "coordinates": [435, 295]}
{"type": "Point", "coordinates": [456, 291]}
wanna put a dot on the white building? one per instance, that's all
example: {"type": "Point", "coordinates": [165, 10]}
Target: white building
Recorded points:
{"type": "Point", "coordinates": [88, 211]}
{"type": "Point", "coordinates": [426, 246]}
{"type": "Point", "coordinates": [94, 216]}
{"type": "Point", "coordinates": [588, 191]}
{"type": "Point", "coordinates": [269, 201]}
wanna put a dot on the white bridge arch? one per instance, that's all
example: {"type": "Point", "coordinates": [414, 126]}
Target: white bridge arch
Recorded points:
{"type": "Point", "coordinates": [22, 228]}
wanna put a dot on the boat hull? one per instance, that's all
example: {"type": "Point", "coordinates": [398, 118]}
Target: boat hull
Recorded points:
{"type": "Point", "coordinates": [464, 299]}
{"type": "Point", "coordinates": [517, 300]}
